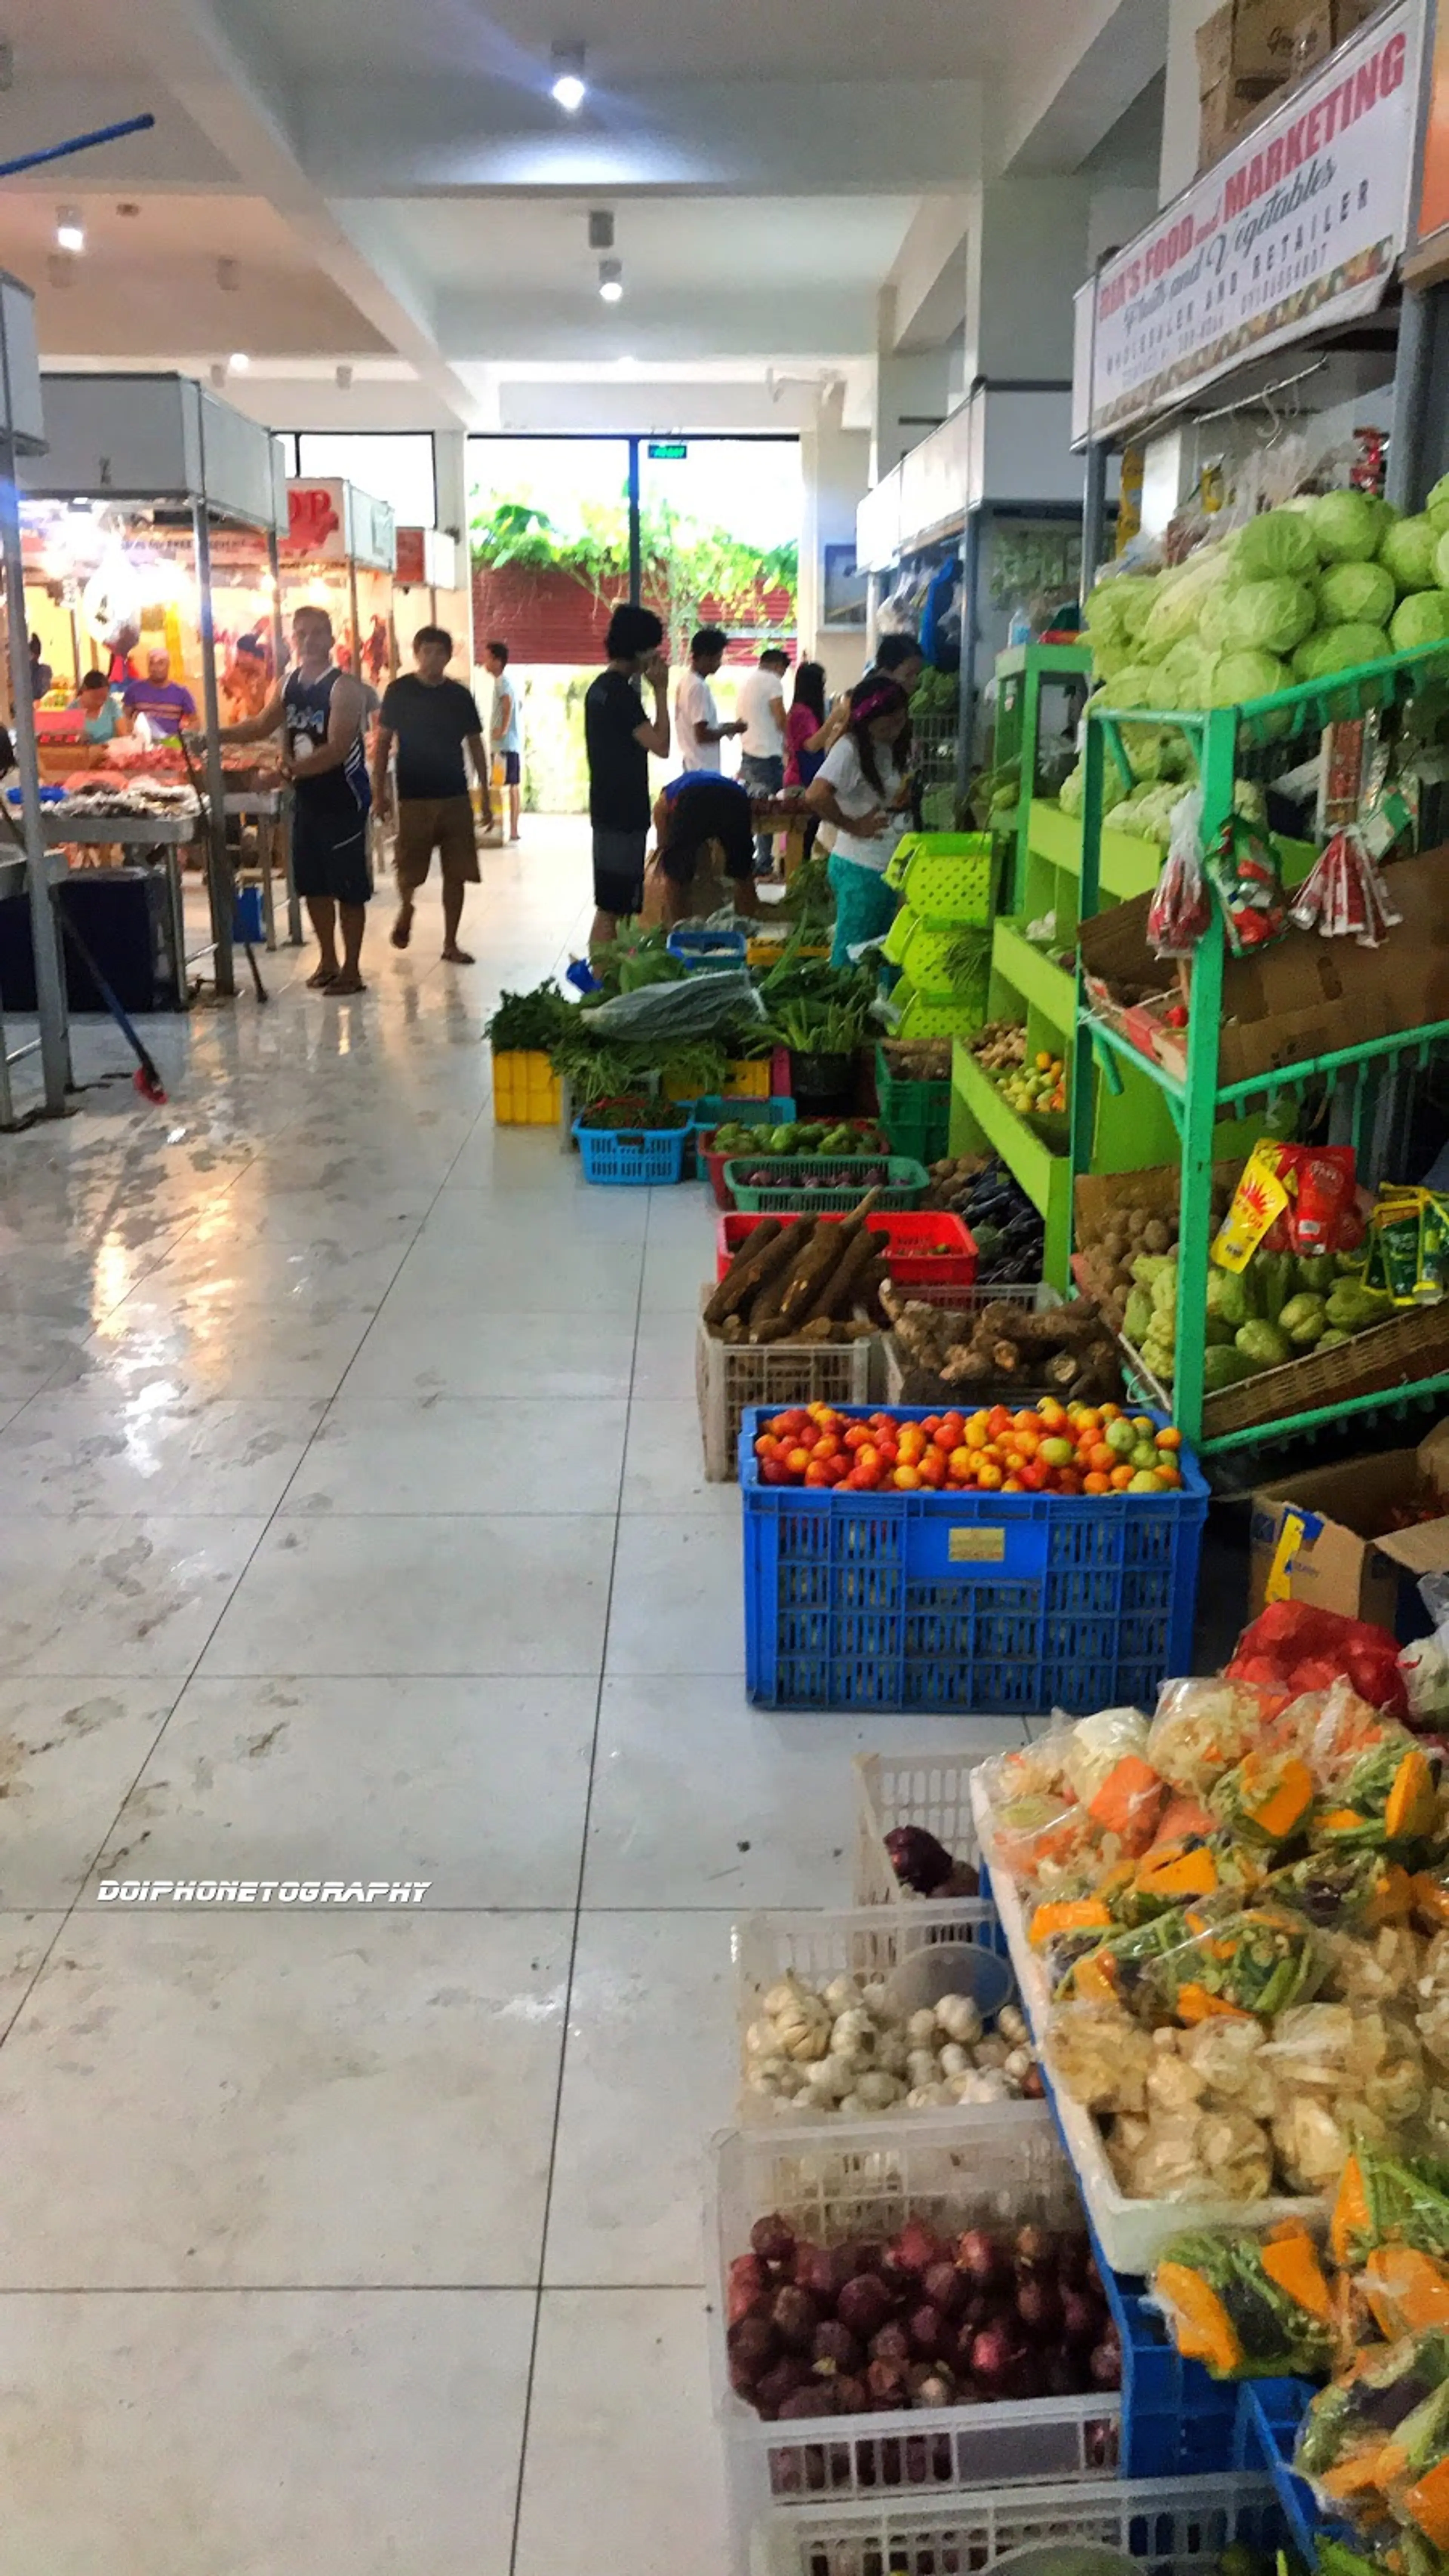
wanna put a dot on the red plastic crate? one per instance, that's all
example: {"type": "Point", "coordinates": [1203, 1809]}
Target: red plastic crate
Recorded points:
{"type": "Point", "coordinates": [909, 1268]}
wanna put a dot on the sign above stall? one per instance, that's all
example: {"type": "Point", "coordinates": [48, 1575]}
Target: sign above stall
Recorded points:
{"type": "Point", "coordinates": [1294, 231]}
{"type": "Point", "coordinates": [316, 522]}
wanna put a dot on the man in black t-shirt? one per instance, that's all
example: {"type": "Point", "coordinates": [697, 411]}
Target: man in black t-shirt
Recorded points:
{"type": "Point", "coordinates": [433, 720]}
{"type": "Point", "coordinates": [620, 737]}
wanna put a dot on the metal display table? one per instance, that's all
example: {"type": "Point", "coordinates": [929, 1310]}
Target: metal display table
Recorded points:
{"type": "Point", "coordinates": [270, 809]}
{"type": "Point", "coordinates": [156, 839]}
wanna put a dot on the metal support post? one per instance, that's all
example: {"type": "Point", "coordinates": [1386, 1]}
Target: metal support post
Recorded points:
{"type": "Point", "coordinates": [970, 584]}
{"type": "Point", "coordinates": [219, 884]}
{"type": "Point", "coordinates": [279, 662]}
{"type": "Point", "coordinates": [1200, 1107]}
{"type": "Point", "coordinates": [636, 538]}
{"type": "Point", "coordinates": [55, 1065]}
{"type": "Point", "coordinates": [1094, 513]}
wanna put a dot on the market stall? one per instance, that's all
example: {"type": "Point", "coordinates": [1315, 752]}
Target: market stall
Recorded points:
{"type": "Point", "coordinates": [430, 591]}
{"type": "Point", "coordinates": [150, 530]}
{"type": "Point", "coordinates": [339, 552]}
{"type": "Point", "coordinates": [26, 870]}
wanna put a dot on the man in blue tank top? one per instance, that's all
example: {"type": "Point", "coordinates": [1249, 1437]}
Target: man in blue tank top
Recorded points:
{"type": "Point", "coordinates": [322, 710]}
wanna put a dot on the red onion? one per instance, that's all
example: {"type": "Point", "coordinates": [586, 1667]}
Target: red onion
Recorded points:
{"type": "Point", "coordinates": [927, 2329]}
{"type": "Point", "coordinates": [931, 2384]}
{"type": "Point", "coordinates": [1074, 2255]}
{"type": "Point", "coordinates": [836, 2346]}
{"type": "Point", "coordinates": [1081, 2317]}
{"type": "Point", "coordinates": [1065, 2372]}
{"type": "Point", "coordinates": [864, 2305]}
{"type": "Point", "coordinates": [1033, 2089]}
{"type": "Point", "coordinates": [1034, 2250]}
{"type": "Point", "coordinates": [887, 2385]}
{"type": "Point", "coordinates": [753, 2345]}
{"type": "Point", "coordinates": [862, 2254]}
{"type": "Point", "coordinates": [794, 2317]}
{"type": "Point", "coordinates": [746, 2285]}
{"type": "Point", "coordinates": [1105, 2365]}
{"type": "Point", "coordinates": [919, 1861]}
{"type": "Point", "coordinates": [850, 2394]}
{"type": "Point", "coordinates": [779, 2382]}
{"type": "Point", "coordinates": [773, 2239]}
{"type": "Point", "coordinates": [1039, 2307]}
{"type": "Point", "coordinates": [892, 2344]}
{"type": "Point", "coordinates": [992, 2355]}
{"type": "Point", "coordinates": [981, 2258]}
{"type": "Point", "coordinates": [803, 2403]}
{"type": "Point", "coordinates": [822, 2270]}
{"type": "Point", "coordinates": [1027, 2376]}
{"type": "Point", "coordinates": [945, 2287]}
{"type": "Point", "coordinates": [913, 2251]}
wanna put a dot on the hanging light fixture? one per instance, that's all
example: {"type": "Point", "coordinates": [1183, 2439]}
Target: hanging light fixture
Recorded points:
{"type": "Point", "coordinates": [611, 280]}
{"type": "Point", "coordinates": [569, 86]}
{"type": "Point", "coordinates": [70, 232]}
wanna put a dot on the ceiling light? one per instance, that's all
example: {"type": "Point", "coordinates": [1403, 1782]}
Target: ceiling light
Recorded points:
{"type": "Point", "coordinates": [569, 85]}
{"type": "Point", "coordinates": [238, 362]}
{"type": "Point", "coordinates": [611, 280]}
{"type": "Point", "coordinates": [70, 232]}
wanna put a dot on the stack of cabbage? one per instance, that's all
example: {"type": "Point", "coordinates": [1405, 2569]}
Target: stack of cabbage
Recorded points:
{"type": "Point", "coordinates": [1298, 594]}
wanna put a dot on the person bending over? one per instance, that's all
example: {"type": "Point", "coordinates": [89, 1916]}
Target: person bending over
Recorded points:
{"type": "Point", "coordinates": [433, 721]}
{"type": "Point", "coordinates": [861, 789]}
{"type": "Point", "coordinates": [705, 850]}
{"type": "Point", "coordinates": [321, 710]}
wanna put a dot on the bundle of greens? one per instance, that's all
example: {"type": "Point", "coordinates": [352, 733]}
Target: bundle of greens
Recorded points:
{"type": "Point", "coordinates": [1248, 2306]}
{"type": "Point", "coordinates": [529, 1021]}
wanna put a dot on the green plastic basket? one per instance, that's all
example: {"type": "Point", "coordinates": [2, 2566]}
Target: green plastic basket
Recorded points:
{"type": "Point", "coordinates": [948, 881]}
{"type": "Point", "coordinates": [928, 970]}
{"type": "Point", "coordinates": [923, 1018]}
{"type": "Point", "coordinates": [899, 936]}
{"type": "Point", "coordinates": [915, 1115]}
{"type": "Point", "coordinates": [838, 1189]}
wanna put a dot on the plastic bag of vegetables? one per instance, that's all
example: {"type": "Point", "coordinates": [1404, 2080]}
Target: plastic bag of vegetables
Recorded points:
{"type": "Point", "coordinates": [695, 1007]}
{"type": "Point", "coordinates": [1248, 2306]}
{"type": "Point", "coordinates": [1259, 1959]}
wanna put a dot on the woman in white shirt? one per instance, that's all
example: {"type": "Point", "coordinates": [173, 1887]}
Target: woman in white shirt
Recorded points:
{"type": "Point", "coordinates": [860, 789]}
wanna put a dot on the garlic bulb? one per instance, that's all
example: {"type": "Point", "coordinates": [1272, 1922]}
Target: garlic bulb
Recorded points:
{"type": "Point", "coordinates": [852, 2108]}
{"type": "Point", "coordinates": [991, 2087]}
{"type": "Point", "coordinates": [854, 2034]}
{"type": "Point", "coordinates": [922, 2066]}
{"type": "Point", "coordinates": [959, 2019]}
{"type": "Point", "coordinates": [802, 2029]}
{"type": "Point", "coordinates": [874, 1996]}
{"type": "Point", "coordinates": [760, 2040]}
{"type": "Point", "coordinates": [1012, 2023]}
{"type": "Point", "coordinates": [841, 1994]}
{"type": "Point", "coordinates": [921, 2030]}
{"type": "Point", "coordinates": [1018, 2065]}
{"type": "Point", "coordinates": [991, 2051]}
{"type": "Point", "coordinates": [877, 2091]}
{"type": "Point", "coordinates": [769, 2075]}
{"type": "Point", "coordinates": [891, 2052]}
{"type": "Point", "coordinates": [928, 2097]}
{"type": "Point", "coordinates": [830, 2077]}
{"type": "Point", "coordinates": [955, 2060]}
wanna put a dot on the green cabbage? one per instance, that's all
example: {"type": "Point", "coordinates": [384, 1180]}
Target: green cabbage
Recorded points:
{"type": "Point", "coordinates": [1117, 609]}
{"type": "Point", "coordinates": [1181, 598]}
{"type": "Point", "coordinates": [1422, 618]}
{"type": "Point", "coordinates": [1279, 545]}
{"type": "Point", "coordinates": [1212, 624]}
{"type": "Point", "coordinates": [1408, 552]}
{"type": "Point", "coordinates": [1339, 648]}
{"type": "Point", "coordinates": [1270, 616]}
{"type": "Point", "coordinates": [1356, 594]}
{"type": "Point", "coordinates": [1348, 527]}
{"type": "Point", "coordinates": [1135, 685]}
{"type": "Point", "coordinates": [1241, 676]}
{"type": "Point", "coordinates": [1186, 674]}
{"type": "Point", "coordinates": [1437, 505]}
{"type": "Point", "coordinates": [1069, 794]}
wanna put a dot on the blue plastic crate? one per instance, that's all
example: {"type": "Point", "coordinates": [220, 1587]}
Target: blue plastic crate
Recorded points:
{"type": "Point", "coordinates": [632, 1158]}
{"type": "Point", "coordinates": [1270, 2412]}
{"type": "Point", "coordinates": [697, 949]}
{"type": "Point", "coordinates": [989, 1603]}
{"type": "Point", "coordinates": [1177, 2420]}
{"type": "Point", "coordinates": [716, 1107]}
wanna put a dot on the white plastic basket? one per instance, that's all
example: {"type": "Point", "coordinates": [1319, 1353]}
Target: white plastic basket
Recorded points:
{"type": "Point", "coordinates": [930, 1789]}
{"type": "Point", "coordinates": [995, 2168]}
{"type": "Point", "coordinates": [728, 1376]}
{"type": "Point", "coordinates": [1131, 2233]}
{"type": "Point", "coordinates": [1173, 2527]}
{"type": "Point", "coordinates": [916, 1952]}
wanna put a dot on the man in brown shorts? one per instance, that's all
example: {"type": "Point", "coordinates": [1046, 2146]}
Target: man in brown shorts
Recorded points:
{"type": "Point", "coordinates": [433, 721]}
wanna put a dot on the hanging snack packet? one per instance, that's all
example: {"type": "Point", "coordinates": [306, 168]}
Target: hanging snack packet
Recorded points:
{"type": "Point", "coordinates": [1324, 1176]}
{"type": "Point", "coordinates": [1433, 1278]}
{"type": "Point", "coordinates": [1397, 1223]}
{"type": "Point", "coordinates": [1346, 897]}
{"type": "Point", "coordinates": [1180, 911]}
{"type": "Point", "coordinates": [1245, 877]}
{"type": "Point", "coordinates": [1262, 1196]}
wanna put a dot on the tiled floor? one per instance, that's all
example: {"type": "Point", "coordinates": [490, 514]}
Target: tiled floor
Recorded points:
{"type": "Point", "coordinates": [352, 1526]}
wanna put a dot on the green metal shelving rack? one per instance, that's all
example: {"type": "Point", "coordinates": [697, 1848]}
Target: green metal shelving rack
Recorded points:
{"type": "Point", "coordinates": [1197, 1104]}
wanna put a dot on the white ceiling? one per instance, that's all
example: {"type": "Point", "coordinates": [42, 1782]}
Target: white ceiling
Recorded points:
{"type": "Point", "coordinates": [400, 193]}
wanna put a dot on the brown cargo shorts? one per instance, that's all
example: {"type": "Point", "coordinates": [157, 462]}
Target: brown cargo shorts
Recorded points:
{"type": "Point", "coordinates": [441, 823]}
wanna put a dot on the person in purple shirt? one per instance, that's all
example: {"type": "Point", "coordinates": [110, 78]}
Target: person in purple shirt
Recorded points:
{"type": "Point", "coordinates": [164, 703]}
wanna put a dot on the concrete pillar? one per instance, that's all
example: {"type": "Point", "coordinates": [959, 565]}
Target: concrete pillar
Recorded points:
{"type": "Point", "coordinates": [450, 463]}
{"type": "Point", "coordinates": [1178, 166]}
{"type": "Point", "coordinates": [913, 393]}
{"type": "Point", "coordinates": [835, 472]}
{"type": "Point", "coordinates": [1027, 257]}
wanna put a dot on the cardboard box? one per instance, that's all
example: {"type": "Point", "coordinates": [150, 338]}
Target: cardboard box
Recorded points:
{"type": "Point", "coordinates": [1215, 50]}
{"type": "Point", "coordinates": [1350, 15]}
{"type": "Point", "coordinates": [1226, 113]}
{"type": "Point", "coordinates": [1305, 995]}
{"type": "Point", "coordinates": [1315, 1536]}
{"type": "Point", "coordinates": [1271, 41]}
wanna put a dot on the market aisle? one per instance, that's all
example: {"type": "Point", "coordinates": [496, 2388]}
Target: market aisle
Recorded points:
{"type": "Point", "coordinates": [351, 1526]}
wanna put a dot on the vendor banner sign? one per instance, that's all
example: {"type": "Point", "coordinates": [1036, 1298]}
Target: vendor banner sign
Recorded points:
{"type": "Point", "coordinates": [1299, 227]}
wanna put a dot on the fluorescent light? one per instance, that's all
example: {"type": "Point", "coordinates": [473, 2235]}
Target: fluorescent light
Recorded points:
{"type": "Point", "coordinates": [569, 85]}
{"type": "Point", "coordinates": [611, 280]}
{"type": "Point", "coordinates": [70, 232]}
{"type": "Point", "coordinates": [238, 362]}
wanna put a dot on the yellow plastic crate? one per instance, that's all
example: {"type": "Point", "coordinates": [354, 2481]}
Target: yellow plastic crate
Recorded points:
{"type": "Point", "coordinates": [746, 1078]}
{"type": "Point", "coordinates": [768, 952]}
{"type": "Point", "coordinates": [526, 1090]}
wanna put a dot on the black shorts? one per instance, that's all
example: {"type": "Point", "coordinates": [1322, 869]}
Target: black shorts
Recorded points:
{"type": "Point", "coordinates": [330, 858]}
{"type": "Point", "coordinates": [513, 769]}
{"type": "Point", "coordinates": [619, 872]}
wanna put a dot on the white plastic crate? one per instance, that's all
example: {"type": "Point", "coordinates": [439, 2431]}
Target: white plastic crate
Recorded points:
{"type": "Point", "coordinates": [922, 1953]}
{"type": "Point", "coordinates": [728, 1376]}
{"type": "Point", "coordinates": [994, 2168]}
{"type": "Point", "coordinates": [1172, 2527]}
{"type": "Point", "coordinates": [1131, 2233]}
{"type": "Point", "coordinates": [930, 1789]}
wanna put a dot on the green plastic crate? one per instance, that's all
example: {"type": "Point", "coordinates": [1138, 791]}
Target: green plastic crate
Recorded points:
{"type": "Point", "coordinates": [915, 1115]}
{"type": "Point", "coordinates": [839, 1184]}
{"type": "Point", "coordinates": [949, 879]}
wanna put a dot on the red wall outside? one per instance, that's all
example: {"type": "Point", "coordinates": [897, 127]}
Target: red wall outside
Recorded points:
{"type": "Point", "coordinates": [547, 617]}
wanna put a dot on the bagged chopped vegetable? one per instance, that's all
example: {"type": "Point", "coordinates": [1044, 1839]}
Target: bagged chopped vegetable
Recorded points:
{"type": "Point", "coordinates": [1202, 1728]}
{"type": "Point", "coordinates": [1385, 2200]}
{"type": "Point", "coordinates": [1248, 2306]}
{"type": "Point", "coordinates": [1351, 2442]}
{"type": "Point", "coordinates": [1267, 1798]}
{"type": "Point", "coordinates": [1389, 1799]}
{"type": "Point", "coordinates": [1260, 1959]}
